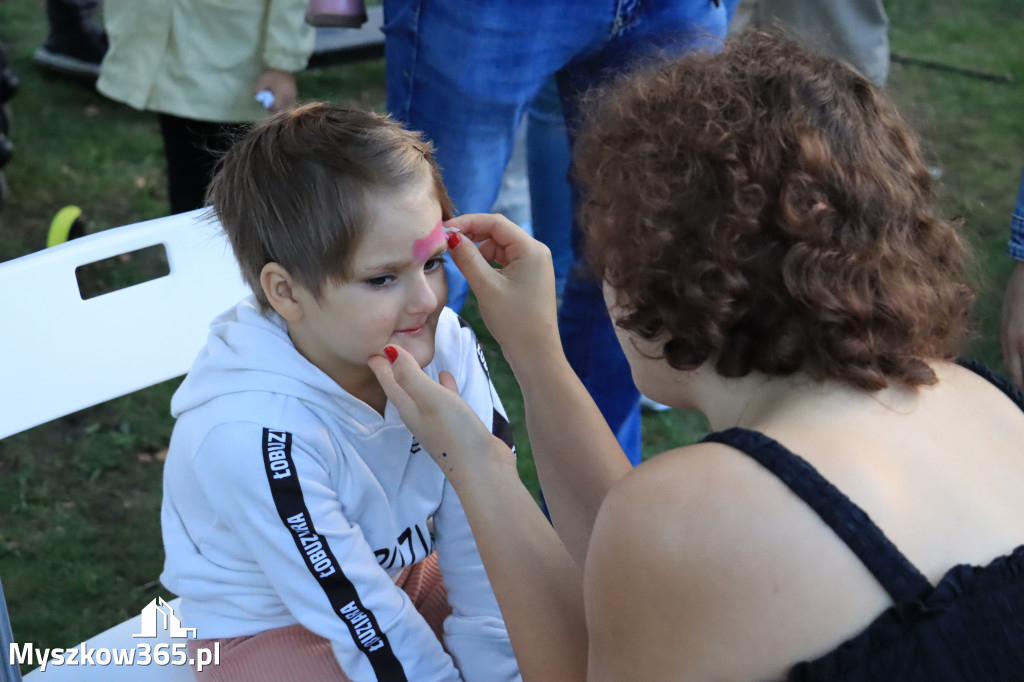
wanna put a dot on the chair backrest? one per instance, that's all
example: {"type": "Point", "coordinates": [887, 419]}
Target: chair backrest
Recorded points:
{"type": "Point", "coordinates": [60, 353]}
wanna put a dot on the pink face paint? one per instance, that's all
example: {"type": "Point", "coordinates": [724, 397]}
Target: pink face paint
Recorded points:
{"type": "Point", "coordinates": [422, 249]}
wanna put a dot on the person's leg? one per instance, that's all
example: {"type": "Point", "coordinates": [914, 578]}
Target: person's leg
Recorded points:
{"type": "Point", "coordinates": [70, 15]}
{"type": "Point", "coordinates": [513, 199]}
{"type": "Point", "coordinates": [730, 9]}
{"type": "Point", "coordinates": [192, 149]}
{"type": "Point", "coordinates": [856, 31]}
{"type": "Point", "coordinates": [74, 44]}
{"type": "Point", "coordinates": [8, 87]}
{"type": "Point", "coordinates": [548, 158]}
{"type": "Point", "coordinates": [294, 654]}
{"type": "Point", "coordinates": [424, 585]}
{"type": "Point", "coordinates": [464, 73]}
{"type": "Point", "coordinates": [288, 654]}
{"type": "Point", "coordinates": [657, 28]}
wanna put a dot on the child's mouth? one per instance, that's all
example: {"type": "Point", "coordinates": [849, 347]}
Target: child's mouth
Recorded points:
{"type": "Point", "coordinates": [413, 331]}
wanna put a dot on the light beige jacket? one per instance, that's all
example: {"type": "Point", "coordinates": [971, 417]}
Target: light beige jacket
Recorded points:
{"type": "Point", "coordinates": [199, 59]}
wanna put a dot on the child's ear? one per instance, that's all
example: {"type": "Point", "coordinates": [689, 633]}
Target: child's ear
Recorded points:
{"type": "Point", "coordinates": [279, 288]}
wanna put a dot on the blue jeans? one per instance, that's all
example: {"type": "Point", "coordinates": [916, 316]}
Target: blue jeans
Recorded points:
{"type": "Point", "coordinates": [548, 158]}
{"type": "Point", "coordinates": [465, 71]}
{"type": "Point", "coordinates": [1016, 245]}
{"type": "Point", "coordinates": [730, 8]}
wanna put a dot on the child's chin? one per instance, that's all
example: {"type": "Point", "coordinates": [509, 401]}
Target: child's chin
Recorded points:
{"type": "Point", "coordinates": [423, 352]}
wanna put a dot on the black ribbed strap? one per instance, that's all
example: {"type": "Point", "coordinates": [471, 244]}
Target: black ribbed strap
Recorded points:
{"type": "Point", "coordinates": [894, 572]}
{"type": "Point", "coordinates": [1000, 382]}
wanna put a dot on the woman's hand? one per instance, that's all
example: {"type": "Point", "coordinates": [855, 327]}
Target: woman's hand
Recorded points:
{"type": "Point", "coordinates": [282, 84]}
{"type": "Point", "coordinates": [443, 423]}
{"type": "Point", "coordinates": [517, 301]}
{"type": "Point", "coordinates": [538, 585]}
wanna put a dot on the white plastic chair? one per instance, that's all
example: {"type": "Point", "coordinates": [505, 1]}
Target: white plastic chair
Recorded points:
{"type": "Point", "coordinates": [60, 354]}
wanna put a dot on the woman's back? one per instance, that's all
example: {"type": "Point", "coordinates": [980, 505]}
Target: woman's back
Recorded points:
{"type": "Point", "coordinates": [939, 472]}
{"type": "Point", "coordinates": [942, 473]}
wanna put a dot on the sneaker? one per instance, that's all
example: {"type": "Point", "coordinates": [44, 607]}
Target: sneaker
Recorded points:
{"type": "Point", "coordinates": [75, 55]}
{"type": "Point", "coordinates": [343, 13]}
{"type": "Point", "coordinates": [648, 405]}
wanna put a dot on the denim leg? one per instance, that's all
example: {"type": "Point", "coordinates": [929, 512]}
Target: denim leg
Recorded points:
{"type": "Point", "coordinates": [593, 350]}
{"type": "Point", "coordinates": [548, 160]}
{"type": "Point", "coordinates": [855, 31]}
{"type": "Point", "coordinates": [1016, 245]}
{"type": "Point", "coordinates": [657, 27]}
{"type": "Point", "coordinates": [551, 201]}
{"type": "Point", "coordinates": [464, 73]}
{"type": "Point", "coordinates": [730, 9]}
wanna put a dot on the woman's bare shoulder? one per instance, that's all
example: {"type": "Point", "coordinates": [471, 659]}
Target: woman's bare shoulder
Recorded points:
{"type": "Point", "coordinates": [702, 564]}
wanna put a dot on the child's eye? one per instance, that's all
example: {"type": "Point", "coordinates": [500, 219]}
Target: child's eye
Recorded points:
{"type": "Point", "coordinates": [433, 264]}
{"type": "Point", "coordinates": [379, 281]}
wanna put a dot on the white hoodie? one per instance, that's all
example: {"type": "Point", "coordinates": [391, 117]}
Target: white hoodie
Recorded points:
{"type": "Point", "coordinates": [287, 500]}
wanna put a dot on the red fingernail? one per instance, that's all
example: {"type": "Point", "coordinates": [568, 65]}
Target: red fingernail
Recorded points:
{"type": "Point", "coordinates": [392, 353]}
{"type": "Point", "coordinates": [453, 240]}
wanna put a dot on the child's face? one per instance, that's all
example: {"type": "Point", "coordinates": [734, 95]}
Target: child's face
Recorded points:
{"type": "Point", "coordinates": [394, 295]}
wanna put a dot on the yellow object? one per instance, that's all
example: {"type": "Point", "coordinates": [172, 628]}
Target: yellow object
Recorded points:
{"type": "Point", "coordinates": [60, 228]}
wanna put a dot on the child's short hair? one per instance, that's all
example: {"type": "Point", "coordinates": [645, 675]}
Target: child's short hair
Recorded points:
{"type": "Point", "coordinates": [293, 190]}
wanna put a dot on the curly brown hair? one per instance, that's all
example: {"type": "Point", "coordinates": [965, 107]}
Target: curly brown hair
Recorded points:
{"type": "Point", "coordinates": [768, 209]}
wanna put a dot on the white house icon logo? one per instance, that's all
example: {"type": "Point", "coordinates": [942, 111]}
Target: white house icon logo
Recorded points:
{"type": "Point", "coordinates": [170, 621]}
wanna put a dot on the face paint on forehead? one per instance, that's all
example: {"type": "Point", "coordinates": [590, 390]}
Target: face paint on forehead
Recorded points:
{"type": "Point", "coordinates": [424, 248]}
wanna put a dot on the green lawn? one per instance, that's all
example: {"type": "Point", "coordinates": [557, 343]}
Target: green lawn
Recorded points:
{"type": "Point", "coordinates": [79, 498]}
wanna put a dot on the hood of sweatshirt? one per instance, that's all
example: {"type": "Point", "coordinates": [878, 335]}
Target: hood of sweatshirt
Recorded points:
{"type": "Point", "coordinates": [247, 351]}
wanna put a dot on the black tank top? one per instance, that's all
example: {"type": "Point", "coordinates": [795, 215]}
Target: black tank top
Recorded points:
{"type": "Point", "coordinates": [968, 628]}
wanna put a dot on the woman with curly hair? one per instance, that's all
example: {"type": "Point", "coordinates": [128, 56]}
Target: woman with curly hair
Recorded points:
{"type": "Point", "coordinates": [764, 227]}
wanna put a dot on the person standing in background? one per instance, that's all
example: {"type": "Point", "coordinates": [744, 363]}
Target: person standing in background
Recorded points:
{"type": "Point", "coordinates": [198, 64]}
{"type": "Point", "coordinates": [464, 73]}
{"type": "Point", "coordinates": [854, 31]}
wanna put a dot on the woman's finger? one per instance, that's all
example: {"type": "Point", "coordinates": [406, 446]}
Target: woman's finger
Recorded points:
{"type": "Point", "coordinates": [474, 265]}
{"type": "Point", "coordinates": [492, 252]}
{"type": "Point", "coordinates": [411, 379]}
{"type": "Point", "coordinates": [448, 381]}
{"type": "Point", "coordinates": [383, 370]}
{"type": "Point", "coordinates": [481, 226]}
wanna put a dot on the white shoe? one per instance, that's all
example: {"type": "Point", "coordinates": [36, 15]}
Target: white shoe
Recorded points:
{"type": "Point", "coordinates": [648, 405]}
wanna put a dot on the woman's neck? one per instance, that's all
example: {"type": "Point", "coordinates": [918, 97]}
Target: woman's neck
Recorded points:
{"type": "Point", "coordinates": [757, 400]}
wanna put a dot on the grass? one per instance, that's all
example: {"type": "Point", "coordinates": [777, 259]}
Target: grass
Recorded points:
{"type": "Point", "coordinates": [79, 498]}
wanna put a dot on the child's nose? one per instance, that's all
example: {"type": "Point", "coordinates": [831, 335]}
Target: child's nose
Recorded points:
{"type": "Point", "coordinates": [423, 298]}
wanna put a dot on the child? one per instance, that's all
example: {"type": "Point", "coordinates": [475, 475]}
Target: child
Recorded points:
{"type": "Point", "coordinates": [295, 500]}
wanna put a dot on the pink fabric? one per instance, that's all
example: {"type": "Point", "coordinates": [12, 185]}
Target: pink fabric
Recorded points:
{"type": "Point", "coordinates": [294, 654]}
{"type": "Point", "coordinates": [349, 13]}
